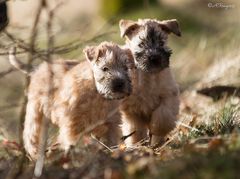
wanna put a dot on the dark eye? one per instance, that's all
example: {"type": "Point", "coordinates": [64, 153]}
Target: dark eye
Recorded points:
{"type": "Point", "coordinates": [125, 66]}
{"type": "Point", "coordinates": [105, 69]}
{"type": "Point", "coordinates": [161, 43]}
{"type": "Point", "coordinates": [132, 29]}
{"type": "Point", "coordinates": [141, 45]}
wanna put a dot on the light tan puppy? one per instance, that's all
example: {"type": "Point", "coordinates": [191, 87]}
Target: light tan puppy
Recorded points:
{"type": "Point", "coordinates": [153, 105]}
{"type": "Point", "coordinates": [84, 94]}
{"type": "Point", "coordinates": [83, 98]}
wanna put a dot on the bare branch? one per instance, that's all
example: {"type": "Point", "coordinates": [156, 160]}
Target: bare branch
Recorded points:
{"type": "Point", "coordinates": [17, 170]}
{"type": "Point", "coordinates": [4, 73]}
{"type": "Point", "coordinates": [45, 123]}
{"type": "Point", "coordinates": [9, 106]}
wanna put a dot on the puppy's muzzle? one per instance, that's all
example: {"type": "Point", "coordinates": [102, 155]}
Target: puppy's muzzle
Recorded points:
{"type": "Point", "coordinates": [118, 85]}
{"type": "Point", "coordinates": [155, 59]}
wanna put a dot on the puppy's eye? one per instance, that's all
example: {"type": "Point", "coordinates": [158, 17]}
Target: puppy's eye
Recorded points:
{"type": "Point", "coordinates": [125, 66]}
{"type": "Point", "coordinates": [141, 45]}
{"type": "Point", "coordinates": [105, 69]}
{"type": "Point", "coordinates": [161, 43]}
{"type": "Point", "coordinates": [133, 29]}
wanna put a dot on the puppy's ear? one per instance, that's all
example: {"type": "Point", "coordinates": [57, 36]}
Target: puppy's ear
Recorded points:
{"type": "Point", "coordinates": [91, 53]}
{"type": "Point", "coordinates": [171, 26]}
{"type": "Point", "coordinates": [128, 28]}
{"type": "Point", "coordinates": [130, 59]}
{"type": "Point", "coordinates": [101, 52]}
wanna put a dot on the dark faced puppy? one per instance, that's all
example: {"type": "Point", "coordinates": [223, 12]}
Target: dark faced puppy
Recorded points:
{"type": "Point", "coordinates": [153, 106]}
{"type": "Point", "coordinates": [147, 40]}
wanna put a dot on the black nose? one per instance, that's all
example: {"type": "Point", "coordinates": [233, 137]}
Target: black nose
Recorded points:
{"type": "Point", "coordinates": [118, 85]}
{"type": "Point", "coordinates": [154, 59]}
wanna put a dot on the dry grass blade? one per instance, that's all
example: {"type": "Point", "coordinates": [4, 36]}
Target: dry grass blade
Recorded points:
{"type": "Point", "coordinates": [187, 126]}
{"type": "Point", "coordinates": [104, 145]}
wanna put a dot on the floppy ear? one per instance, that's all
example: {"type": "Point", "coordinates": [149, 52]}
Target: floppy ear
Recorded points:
{"type": "Point", "coordinates": [128, 28]}
{"type": "Point", "coordinates": [90, 52]}
{"type": "Point", "coordinates": [93, 53]}
{"type": "Point", "coordinates": [171, 26]}
{"type": "Point", "coordinates": [130, 60]}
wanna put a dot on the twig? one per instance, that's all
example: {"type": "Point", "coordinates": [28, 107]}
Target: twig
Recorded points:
{"type": "Point", "coordinates": [187, 126]}
{"type": "Point", "coordinates": [9, 106]}
{"type": "Point", "coordinates": [174, 136]}
{"type": "Point", "coordinates": [104, 145]}
{"type": "Point", "coordinates": [62, 49]}
{"type": "Point", "coordinates": [33, 36]}
{"type": "Point", "coordinates": [123, 138]}
{"type": "Point", "coordinates": [4, 73]}
{"type": "Point", "coordinates": [45, 123]}
{"type": "Point", "coordinates": [25, 46]}
{"type": "Point", "coordinates": [166, 143]}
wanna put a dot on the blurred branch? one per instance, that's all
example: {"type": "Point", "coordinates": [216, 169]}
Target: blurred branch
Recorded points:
{"type": "Point", "coordinates": [9, 106]}
{"type": "Point", "coordinates": [46, 119]}
{"type": "Point", "coordinates": [17, 170]}
{"type": "Point", "coordinates": [76, 45]}
{"type": "Point", "coordinates": [4, 73]}
{"type": "Point", "coordinates": [62, 49]}
{"type": "Point", "coordinates": [101, 143]}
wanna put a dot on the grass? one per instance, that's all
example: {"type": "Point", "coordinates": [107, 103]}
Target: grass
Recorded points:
{"type": "Point", "coordinates": [225, 121]}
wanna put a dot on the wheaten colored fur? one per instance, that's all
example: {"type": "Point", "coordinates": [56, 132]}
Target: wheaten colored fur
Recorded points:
{"type": "Point", "coordinates": [37, 100]}
{"type": "Point", "coordinates": [77, 103]}
{"type": "Point", "coordinates": [153, 105]}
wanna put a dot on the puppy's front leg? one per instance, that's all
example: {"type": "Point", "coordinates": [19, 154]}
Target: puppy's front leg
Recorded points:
{"type": "Point", "coordinates": [113, 130]}
{"type": "Point", "coordinates": [164, 119]}
{"type": "Point", "coordinates": [132, 124]}
{"type": "Point", "coordinates": [67, 137]}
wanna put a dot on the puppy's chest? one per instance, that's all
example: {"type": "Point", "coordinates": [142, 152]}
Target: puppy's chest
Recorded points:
{"type": "Point", "coordinates": [145, 97]}
{"type": "Point", "coordinates": [93, 107]}
{"type": "Point", "coordinates": [102, 107]}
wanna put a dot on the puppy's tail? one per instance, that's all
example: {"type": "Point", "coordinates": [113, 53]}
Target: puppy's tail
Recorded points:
{"type": "Point", "coordinates": [15, 62]}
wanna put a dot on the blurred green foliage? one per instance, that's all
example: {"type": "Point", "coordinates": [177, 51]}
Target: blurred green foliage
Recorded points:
{"type": "Point", "coordinates": [111, 8]}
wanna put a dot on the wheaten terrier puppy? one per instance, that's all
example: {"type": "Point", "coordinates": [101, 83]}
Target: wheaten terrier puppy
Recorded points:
{"type": "Point", "coordinates": [86, 96]}
{"type": "Point", "coordinates": [154, 103]}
